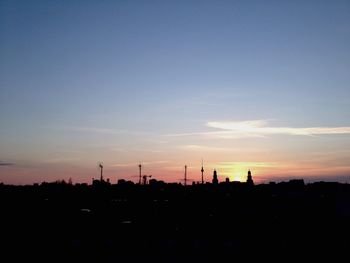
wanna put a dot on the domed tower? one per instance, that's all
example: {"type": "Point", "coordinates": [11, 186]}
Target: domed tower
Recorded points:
{"type": "Point", "coordinates": [215, 178]}
{"type": "Point", "coordinates": [250, 178]}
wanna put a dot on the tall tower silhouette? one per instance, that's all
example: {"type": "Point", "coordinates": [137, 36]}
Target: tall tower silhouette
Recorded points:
{"type": "Point", "coordinates": [140, 176]}
{"type": "Point", "coordinates": [202, 171]}
{"type": "Point", "coordinates": [250, 178]}
{"type": "Point", "coordinates": [100, 165]}
{"type": "Point", "coordinates": [185, 175]}
{"type": "Point", "coordinates": [215, 177]}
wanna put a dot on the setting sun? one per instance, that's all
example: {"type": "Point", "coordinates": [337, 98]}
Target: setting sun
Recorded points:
{"type": "Point", "coordinates": [235, 171]}
{"type": "Point", "coordinates": [238, 177]}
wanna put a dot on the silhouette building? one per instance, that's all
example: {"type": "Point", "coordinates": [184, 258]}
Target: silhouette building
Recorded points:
{"type": "Point", "coordinates": [249, 178]}
{"type": "Point", "coordinates": [215, 178]}
{"type": "Point", "coordinates": [202, 172]}
{"type": "Point", "coordinates": [144, 179]}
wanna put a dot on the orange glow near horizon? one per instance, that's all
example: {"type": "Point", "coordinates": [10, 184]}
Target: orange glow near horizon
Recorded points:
{"type": "Point", "coordinates": [173, 171]}
{"type": "Point", "coordinates": [237, 171]}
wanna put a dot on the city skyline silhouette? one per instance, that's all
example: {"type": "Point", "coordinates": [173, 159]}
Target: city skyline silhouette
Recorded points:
{"type": "Point", "coordinates": [155, 221]}
{"type": "Point", "coordinates": [174, 131]}
{"type": "Point", "coordinates": [258, 85]}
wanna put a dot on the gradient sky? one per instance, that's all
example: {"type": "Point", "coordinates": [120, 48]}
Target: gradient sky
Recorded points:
{"type": "Point", "coordinates": [260, 85]}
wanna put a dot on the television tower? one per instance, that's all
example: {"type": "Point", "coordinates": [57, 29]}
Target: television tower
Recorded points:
{"type": "Point", "coordinates": [140, 176]}
{"type": "Point", "coordinates": [100, 165]}
{"type": "Point", "coordinates": [202, 171]}
{"type": "Point", "coordinates": [185, 175]}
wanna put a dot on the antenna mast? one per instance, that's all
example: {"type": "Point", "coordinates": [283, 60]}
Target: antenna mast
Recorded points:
{"type": "Point", "coordinates": [140, 176]}
{"type": "Point", "coordinates": [185, 175]}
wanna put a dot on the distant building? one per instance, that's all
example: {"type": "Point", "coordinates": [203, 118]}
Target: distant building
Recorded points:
{"type": "Point", "coordinates": [215, 178]}
{"type": "Point", "coordinates": [297, 182]}
{"type": "Point", "coordinates": [156, 183]}
{"type": "Point", "coordinates": [249, 178]}
{"type": "Point", "coordinates": [100, 182]}
{"type": "Point", "coordinates": [121, 181]}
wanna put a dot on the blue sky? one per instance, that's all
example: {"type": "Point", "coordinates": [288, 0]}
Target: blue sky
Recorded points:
{"type": "Point", "coordinates": [85, 81]}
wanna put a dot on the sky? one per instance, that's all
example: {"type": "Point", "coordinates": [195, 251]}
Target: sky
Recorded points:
{"type": "Point", "coordinates": [259, 85]}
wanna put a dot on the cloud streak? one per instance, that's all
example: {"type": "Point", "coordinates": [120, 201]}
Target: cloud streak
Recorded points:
{"type": "Point", "coordinates": [102, 130]}
{"type": "Point", "coordinates": [248, 164]}
{"type": "Point", "coordinates": [259, 128]}
{"type": "Point", "coordinates": [6, 163]}
{"type": "Point", "coordinates": [93, 130]}
{"type": "Point", "coordinates": [136, 164]}
{"type": "Point", "coordinates": [201, 148]}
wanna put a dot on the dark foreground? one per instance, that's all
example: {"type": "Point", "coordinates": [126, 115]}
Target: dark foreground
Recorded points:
{"type": "Point", "coordinates": [173, 223]}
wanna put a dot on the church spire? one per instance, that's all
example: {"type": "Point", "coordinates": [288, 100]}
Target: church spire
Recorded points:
{"type": "Point", "coordinates": [250, 178]}
{"type": "Point", "coordinates": [215, 177]}
{"type": "Point", "coordinates": [202, 171]}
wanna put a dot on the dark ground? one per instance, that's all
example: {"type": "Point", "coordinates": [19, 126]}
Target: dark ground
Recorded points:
{"type": "Point", "coordinates": [172, 223]}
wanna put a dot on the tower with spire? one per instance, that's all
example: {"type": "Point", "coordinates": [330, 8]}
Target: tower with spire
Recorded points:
{"type": "Point", "coordinates": [215, 177]}
{"type": "Point", "coordinates": [202, 171]}
{"type": "Point", "coordinates": [250, 181]}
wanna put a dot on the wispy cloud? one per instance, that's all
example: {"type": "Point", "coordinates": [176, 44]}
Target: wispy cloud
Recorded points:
{"type": "Point", "coordinates": [93, 130]}
{"type": "Point", "coordinates": [194, 147]}
{"type": "Point", "coordinates": [58, 160]}
{"type": "Point", "coordinates": [6, 163]}
{"type": "Point", "coordinates": [103, 130]}
{"type": "Point", "coordinates": [248, 164]}
{"type": "Point", "coordinates": [213, 134]}
{"type": "Point", "coordinates": [118, 150]}
{"type": "Point", "coordinates": [136, 164]}
{"type": "Point", "coordinates": [259, 128]}
{"type": "Point", "coordinates": [137, 150]}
